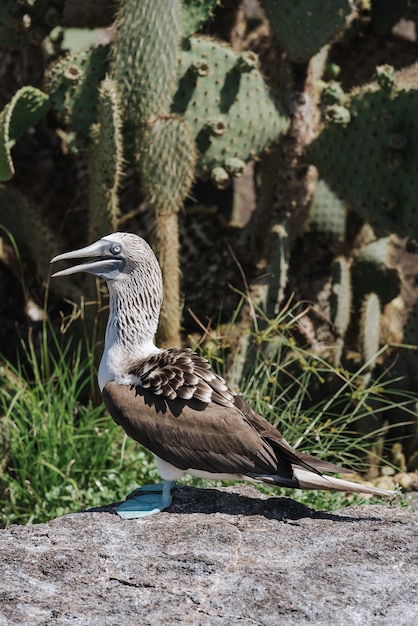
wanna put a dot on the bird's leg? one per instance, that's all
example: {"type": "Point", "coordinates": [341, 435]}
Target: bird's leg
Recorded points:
{"type": "Point", "coordinates": [146, 500]}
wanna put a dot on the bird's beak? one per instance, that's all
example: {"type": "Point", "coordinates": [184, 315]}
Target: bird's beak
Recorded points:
{"type": "Point", "coordinates": [107, 266]}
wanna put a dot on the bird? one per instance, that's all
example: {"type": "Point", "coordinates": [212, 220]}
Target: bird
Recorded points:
{"type": "Point", "coordinates": [172, 402]}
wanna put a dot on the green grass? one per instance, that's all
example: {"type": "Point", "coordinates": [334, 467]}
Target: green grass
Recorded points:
{"type": "Point", "coordinates": [66, 454]}
{"type": "Point", "coordinates": [319, 408]}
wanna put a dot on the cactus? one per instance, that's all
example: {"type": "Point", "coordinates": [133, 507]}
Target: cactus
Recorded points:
{"type": "Point", "coordinates": [271, 289]}
{"type": "Point", "coordinates": [303, 27]}
{"type": "Point", "coordinates": [194, 14]}
{"type": "Point", "coordinates": [218, 93]}
{"type": "Point", "coordinates": [25, 109]}
{"type": "Point", "coordinates": [34, 239]}
{"type": "Point", "coordinates": [371, 271]}
{"type": "Point", "coordinates": [167, 162]}
{"type": "Point", "coordinates": [105, 163]}
{"type": "Point", "coordinates": [144, 66]}
{"type": "Point", "coordinates": [370, 330]}
{"type": "Point", "coordinates": [73, 84]}
{"type": "Point", "coordinates": [145, 56]}
{"type": "Point", "coordinates": [340, 301]}
{"type": "Point", "coordinates": [327, 215]}
{"type": "Point", "coordinates": [370, 161]}
{"type": "Point", "coordinates": [193, 107]}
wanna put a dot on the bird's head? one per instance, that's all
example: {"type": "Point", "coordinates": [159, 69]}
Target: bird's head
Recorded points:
{"type": "Point", "coordinates": [114, 257]}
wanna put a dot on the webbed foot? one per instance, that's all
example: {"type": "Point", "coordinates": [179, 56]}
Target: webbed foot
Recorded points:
{"type": "Point", "coordinates": [146, 500]}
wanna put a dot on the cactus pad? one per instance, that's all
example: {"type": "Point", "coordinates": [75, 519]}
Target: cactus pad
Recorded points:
{"type": "Point", "coordinates": [194, 14]}
{"type": "Point", "coordinates": [26, 108]}
{"type": "Point", "coordinates": [370, 329]}
{"type": "Point", "coordinates": [73, 84]}
{"type": "Point", "coordinates": [23, 219]}
{"type": "Point", "coordinates": [145, 56]}
{"type": "Point", "coordinates": [340, 300]}
{"type": "Point", "coordinates": [371, 161]}
{"type": "Point", "coordinates": [327, 214]}
{"type": "Point", "coordinates": [227, 105]}
{"type": "Point", "coordinates": [166, 161]}
{"type": "Point", "coordinates": [303, 27]}
{"type": "Point", "coordinates": [371, 271]}
{"type": "Point", "coordinates": [105, 163]}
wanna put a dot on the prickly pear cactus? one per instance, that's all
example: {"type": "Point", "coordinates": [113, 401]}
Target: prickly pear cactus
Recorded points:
{"type": "Point", "coordinates": [105, 163]}
{"type": "Point", "coordinates": [372, 271]}
{"type": "Point", "coordinates": [194, 13]}
{"type": "Point", "coordinates": [327, 215]}
{"type": "Point", "coordinates": [340, 301]}
{"type": "Point", "coordinates": [145, 56]}
{"type": "Point", "coordinates": [73, 84]}
{"type": "Point", "coordinates": [23, 219]}
{"type": "Point", "coordinates": [26, 108]}
{"type": "Point", "coordinates": [340, 304]}
{"type": "Point", "coordinates": [167, 162]}
{"type": "Point", "coordinates": [239, 117]}
{"type": "Point", "coordinates": [370, 330]}
{"type": "Point", "coordinates": [303, 27]}
{"type": "Point", "coordinates": [229, 108]}
{"type": "Point", "coordinates": [370, 158]}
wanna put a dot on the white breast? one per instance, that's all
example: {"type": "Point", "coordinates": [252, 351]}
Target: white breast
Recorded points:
{"type": "Point", "coordinates": [117, 361]}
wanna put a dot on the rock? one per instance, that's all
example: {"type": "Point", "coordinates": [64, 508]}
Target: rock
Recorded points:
{"type": "Point", "coordinates": [219, 556]}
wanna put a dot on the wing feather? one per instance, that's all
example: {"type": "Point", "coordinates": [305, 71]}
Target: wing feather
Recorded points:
{"type": "Point", "coordinates": [185, 413]}
{"type": "Point", "coordinates": [211, 438]}
{"type": "Point", "coordinates": [180, 373]}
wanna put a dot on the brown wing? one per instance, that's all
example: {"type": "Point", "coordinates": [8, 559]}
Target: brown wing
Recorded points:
{"type": "Point", "coordinates": [180, 373]}
{"type": "Point", "coordinates": [192, 435]}
{"type": "Point", "coordinates": [186, 415]}
{"type": "Point", "coordinates": [279, 444]}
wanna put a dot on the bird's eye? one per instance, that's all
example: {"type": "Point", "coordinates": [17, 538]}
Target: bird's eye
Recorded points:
{"type": "Point", "coordinates": [116, 249]}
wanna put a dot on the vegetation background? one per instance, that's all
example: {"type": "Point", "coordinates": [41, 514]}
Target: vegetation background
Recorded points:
{"type": "Point", "coordinates": [269, 152]}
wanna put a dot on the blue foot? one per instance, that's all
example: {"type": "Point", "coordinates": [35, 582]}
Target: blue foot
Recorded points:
{"type": "Point", "coordinates": [146, 500]}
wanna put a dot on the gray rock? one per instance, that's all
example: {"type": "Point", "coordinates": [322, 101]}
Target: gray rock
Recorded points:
{"type": "Point", "coordinates": [219, 556]}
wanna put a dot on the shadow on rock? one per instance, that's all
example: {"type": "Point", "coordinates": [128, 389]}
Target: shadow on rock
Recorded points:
{"type": "Point", "coordinates": [244, 500]}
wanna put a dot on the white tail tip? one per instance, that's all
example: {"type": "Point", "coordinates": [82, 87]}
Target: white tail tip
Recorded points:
{"type": "Point", "coordinates": [309, 480]}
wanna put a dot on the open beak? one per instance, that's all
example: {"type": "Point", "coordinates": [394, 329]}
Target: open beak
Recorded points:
{"type": "Point", "coordinates": [108, 266]}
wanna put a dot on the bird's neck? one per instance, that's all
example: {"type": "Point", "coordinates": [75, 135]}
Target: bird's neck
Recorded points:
{"type": "Point", "coordinates": [130, 333]}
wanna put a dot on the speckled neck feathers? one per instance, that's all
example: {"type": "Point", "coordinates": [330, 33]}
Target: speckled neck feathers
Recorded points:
{"type": "Point", "coordinates": [135, 304]}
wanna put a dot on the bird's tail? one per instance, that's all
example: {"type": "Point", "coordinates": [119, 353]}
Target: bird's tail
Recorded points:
{"type": "Point", "coordinates": [308, 480]}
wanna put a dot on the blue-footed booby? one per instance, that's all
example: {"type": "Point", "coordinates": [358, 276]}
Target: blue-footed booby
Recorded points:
{"type": "Point", "coordinates": [171, 401]}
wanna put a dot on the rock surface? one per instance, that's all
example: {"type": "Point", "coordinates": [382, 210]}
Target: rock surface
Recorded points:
{"type": "Point", "coordinates": [219, 556]}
